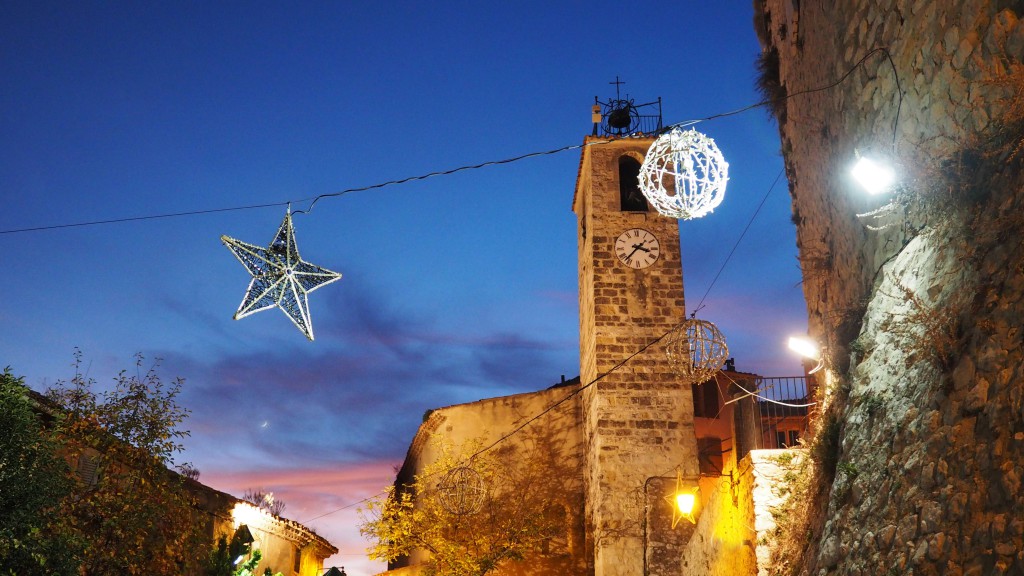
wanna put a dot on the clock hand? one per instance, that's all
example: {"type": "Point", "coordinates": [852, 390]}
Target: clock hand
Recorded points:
{"type": "Point", "coordinates": [636, 247]}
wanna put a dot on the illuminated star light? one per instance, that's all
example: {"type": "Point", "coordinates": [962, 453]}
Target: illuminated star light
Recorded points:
{"type": "Point", "coordinates": [683, 501]}
{"type": "Point", "coordinates": [279, 277]}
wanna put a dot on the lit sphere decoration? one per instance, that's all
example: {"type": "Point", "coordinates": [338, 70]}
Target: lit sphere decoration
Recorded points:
{"type": "Point", "coordinates": [461, 491]}
{"type": "Point", "coordinates": [684, 174]}
{"type": "Point", "coordinates": [696, 350]}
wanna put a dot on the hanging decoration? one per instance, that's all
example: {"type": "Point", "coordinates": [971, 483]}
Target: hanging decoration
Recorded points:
{"type": "Point", "coordinates": [684, 174]}
{"type": "Point", "coordinates": [279, 277]}
{"type": "Point", "coordinates": [696, 350]}
{"type": "Point", "coordinates": [461, 491]}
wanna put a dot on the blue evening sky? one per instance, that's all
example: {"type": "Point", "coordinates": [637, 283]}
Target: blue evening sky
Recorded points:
{"type": "Point", "coordinates": [455, 288]}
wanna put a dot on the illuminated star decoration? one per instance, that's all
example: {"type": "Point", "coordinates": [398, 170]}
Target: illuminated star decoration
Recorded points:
{"type": "Point", "coordinates": [279, 277]}
{"type": "Point", "coordinates": [683, 501]}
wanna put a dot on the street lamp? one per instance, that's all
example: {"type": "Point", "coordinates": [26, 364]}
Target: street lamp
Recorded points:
{"type": "Point", "coordinates": [875, 177]}
{"type": "Point", "coordinates": [808, 349]}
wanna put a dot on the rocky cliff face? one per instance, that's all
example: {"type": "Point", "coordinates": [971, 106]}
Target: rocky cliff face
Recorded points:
{"type": "Point", "coordinates": [918, 295]}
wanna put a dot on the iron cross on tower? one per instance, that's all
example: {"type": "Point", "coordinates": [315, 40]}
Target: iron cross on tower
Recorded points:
{"type": "Point", "coordinates": [617, 84]}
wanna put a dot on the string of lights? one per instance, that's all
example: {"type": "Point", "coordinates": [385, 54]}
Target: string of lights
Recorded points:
{"type": "Point", "coordinates": [314, 199]}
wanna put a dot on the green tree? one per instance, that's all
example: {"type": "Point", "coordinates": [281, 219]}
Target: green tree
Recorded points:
{"type": "Point", "coordinates": [248, 568]}
{"type": "Point", "coordinates": [131, 513]}
{"type": "Point", "coordinates": [33, 481]}
{"type": "Point", "coordinates": [229, 559]}
{"type": "Point", "coordinates": [471, 514]}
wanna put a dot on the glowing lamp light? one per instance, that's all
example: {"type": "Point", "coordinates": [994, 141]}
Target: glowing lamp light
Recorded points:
{"type": "Point", "coordinates": [808, 349]}
{"type": "Point", "coordinates": [685, 502]}
{"type": "Point", "coordinates": [874, 177]}
{"type": "Point", "coordinates": [804, 347]}
{"type": "Point", "coordinates": [684, 499]}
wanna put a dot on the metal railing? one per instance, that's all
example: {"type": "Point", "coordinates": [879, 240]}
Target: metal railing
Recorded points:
{"type": "Point", "coordinates": [624, 118]}
{"type": "Point", "coordinates": [777, 415]}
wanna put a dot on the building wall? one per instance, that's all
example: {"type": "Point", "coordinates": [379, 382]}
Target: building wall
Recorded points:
{"type": "Point", "coordinates": [550, 448]}
{"type": "Point", "coordinates": [919, 304]}
{"type": "Point", "coordinates": [736, 522]}
{"type": "Point", "coordinates": [216, 513]}
{"type": "Point", "coordinates": [279, 540]}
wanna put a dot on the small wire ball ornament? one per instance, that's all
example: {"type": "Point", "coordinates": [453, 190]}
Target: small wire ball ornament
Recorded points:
{"type": "Point", "coordinates": [461, 492]}
{"type": "Point", "coordinates": [684, 174]}
{"type": "Point", "coordinates": [696, 350]}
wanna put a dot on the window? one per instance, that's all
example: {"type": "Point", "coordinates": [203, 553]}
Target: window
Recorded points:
{"type": "Point", "coordinates": [558, 543]}
{"type": "Point", "coordinates": [630, 197]}
{"type": "Point", "coordinates": [298, 560]}
{"type": "Point", "coordinates": [88, 468]}
{"type": "Point", "coordinates": [705, 399]}
{"type": "Point", "coordinates": [787, 438]}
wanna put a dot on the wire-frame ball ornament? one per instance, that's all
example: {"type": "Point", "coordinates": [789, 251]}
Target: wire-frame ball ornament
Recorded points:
{"type": "Point", "coordinates": [684, 174]}
{"type": "Point", "coordinates": [696, 350]}
{"type": "Point", "coordinates": [461, 492]}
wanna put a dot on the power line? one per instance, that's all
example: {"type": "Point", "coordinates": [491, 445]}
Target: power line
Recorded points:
{"type": "Point", "coordinates": [314, 199]}
{"type": "Point", "coordinates": [738, 240]}
{"type": "Point", "coordinates": [137, 218]}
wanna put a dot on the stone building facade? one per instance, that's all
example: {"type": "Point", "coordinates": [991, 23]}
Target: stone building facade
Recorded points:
{"type": "Point", "coordinates": [916, 294]}
{"type": "Point", "coordinates": [619, 433]}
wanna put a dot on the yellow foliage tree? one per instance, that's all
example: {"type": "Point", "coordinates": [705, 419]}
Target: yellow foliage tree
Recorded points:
{"type": "Point", "coordinates": [471, 514]}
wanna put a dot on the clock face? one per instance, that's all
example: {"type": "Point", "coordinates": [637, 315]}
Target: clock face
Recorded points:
{"type": "Point", "coordinates": [637, 248]}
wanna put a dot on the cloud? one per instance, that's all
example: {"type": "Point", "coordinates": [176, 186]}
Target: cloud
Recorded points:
{"type": "Point", "coordinates": [357, 394]}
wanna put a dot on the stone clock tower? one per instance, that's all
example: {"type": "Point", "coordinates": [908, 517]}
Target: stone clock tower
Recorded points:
{"type": "Point", "coordinates": [638, 417]}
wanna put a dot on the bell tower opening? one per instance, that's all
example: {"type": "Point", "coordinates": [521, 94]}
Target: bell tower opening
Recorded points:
{"type": "Point", "coordinates": [630, 197]}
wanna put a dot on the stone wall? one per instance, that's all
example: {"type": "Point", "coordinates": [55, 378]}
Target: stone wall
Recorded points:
{"type": "Point", "coordinates": [919, 302]}
{"type": "Point", "coordinates": [738, 519]}
{"type": "Point", "coordinates": [547, 453]}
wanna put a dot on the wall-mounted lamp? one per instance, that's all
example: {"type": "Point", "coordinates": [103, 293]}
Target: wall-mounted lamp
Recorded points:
{"type": "Point", "coordinates": [875, 177]}
{"type": "Point", "coordinates": [685, 499]}
{"type": "Point", "coordinates": [808, 349]}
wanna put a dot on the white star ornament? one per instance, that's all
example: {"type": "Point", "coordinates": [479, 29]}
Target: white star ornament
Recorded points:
{"type": "Point", "coordinates": [279, 277]}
